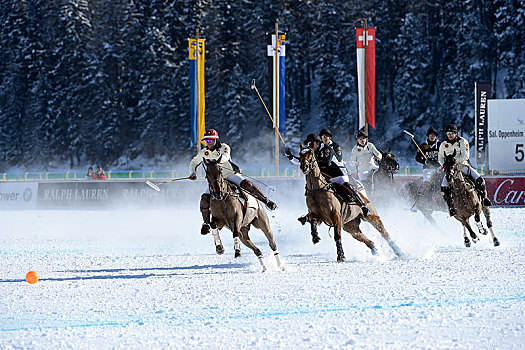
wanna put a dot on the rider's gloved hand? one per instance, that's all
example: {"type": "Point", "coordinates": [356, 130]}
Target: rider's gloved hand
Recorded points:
{"type": "Point", "coordinates": [288, 153]}
{"type": "Point", "coordinates": [192, 176]}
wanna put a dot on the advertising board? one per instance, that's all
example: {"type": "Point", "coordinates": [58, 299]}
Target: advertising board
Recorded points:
{"type": "Point", "coordinates": [506, 131]}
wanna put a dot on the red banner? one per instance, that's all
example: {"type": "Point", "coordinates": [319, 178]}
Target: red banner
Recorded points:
{"type": "Point", "coordinates": [366, 57]}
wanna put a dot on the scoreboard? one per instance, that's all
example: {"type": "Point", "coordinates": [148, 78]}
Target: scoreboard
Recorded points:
{"type": "Point", "coordinates": [506, 134]}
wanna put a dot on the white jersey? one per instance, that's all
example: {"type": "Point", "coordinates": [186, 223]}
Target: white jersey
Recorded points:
{"type": "Point", "coordinates": [363, 157]}
{"type": "Point", "coordinates": [222, 152]}
{"type": "Point", "coordinates": [461, 148]}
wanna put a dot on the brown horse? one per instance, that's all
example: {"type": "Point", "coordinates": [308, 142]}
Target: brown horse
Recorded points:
{"type": "Point", "coordinates": [466, 201]}
{"type": "Point", "coordinates": [324, 206]}
{"type": "Point", "coordinates": [228, 210]}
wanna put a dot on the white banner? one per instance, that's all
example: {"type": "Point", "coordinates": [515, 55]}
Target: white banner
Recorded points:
{"type": "Point", "coordinates": [506, 131]}
{"type": "Point", "coordinates": [18, 195]}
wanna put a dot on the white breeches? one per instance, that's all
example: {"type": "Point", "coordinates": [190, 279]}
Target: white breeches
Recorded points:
{"type": "Point", "coordinates": [466, 170]}
{"type": "Point", "coordinates": [340, 180]}
{"type": "Point", "coordinates": [428, 174]}
{"type": "Point", "coordinates": [365, 175]}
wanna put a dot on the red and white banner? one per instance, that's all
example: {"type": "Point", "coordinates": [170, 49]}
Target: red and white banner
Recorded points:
{"type": "Point", "coordinates": [503, 191]}
{"type": "Point", "coordinates": [506, 191]}
{"type": "Point", "coordinates": [366, 60]}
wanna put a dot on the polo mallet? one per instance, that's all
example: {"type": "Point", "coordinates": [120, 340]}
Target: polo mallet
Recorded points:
{"type": "Point", "coordinates": [426, 188]}
{"type": "Point", "coordinates": [412, 137]}
{"type": "Point", "coordinates": [156, 186]}
{"type": "Point", "coordinates": [267, 111]}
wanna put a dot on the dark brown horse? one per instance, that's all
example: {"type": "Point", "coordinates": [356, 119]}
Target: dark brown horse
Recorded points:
{"type": "Point", "coordinates": [429, 200]}
{"type": "Point", "coordinates": [228, 210]}
{"type": "Point", "coordinates": [383, 178]}
{"type": "Point", "coordinates": [324, 206]}
{"type": "Point", "coordinates": [466, 201]}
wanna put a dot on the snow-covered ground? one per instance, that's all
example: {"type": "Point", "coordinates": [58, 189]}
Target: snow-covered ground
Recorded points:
{"type": "Point", "coordinates": [139, 279]}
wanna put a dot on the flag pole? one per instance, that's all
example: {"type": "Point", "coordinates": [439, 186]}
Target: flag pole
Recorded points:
{"type": "Point", "coordinates": [197, 97]}
{"type": "Point", "coordinates": [365, 42]}
{"type": "Point", "coordinates": [276, 99]}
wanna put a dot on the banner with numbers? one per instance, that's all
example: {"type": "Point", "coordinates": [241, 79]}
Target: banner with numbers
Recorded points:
{"type": "Point", "coordinates": [506, 135]}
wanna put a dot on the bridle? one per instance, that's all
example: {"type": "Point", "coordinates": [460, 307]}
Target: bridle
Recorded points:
{"type": "Point", "coordinates": [307, 160]}
{"type": "Point", "coordinates": [308, 163]}
{"type": "Point", "coordinates": [389, 164]}
{"type": "Point", "coordinates": [219, 187]}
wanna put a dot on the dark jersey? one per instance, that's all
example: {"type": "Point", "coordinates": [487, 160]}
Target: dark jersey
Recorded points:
{"type": "Point", "coordinates": [431, 151]}
{"type": "Point", "coordinates": [330, 159]}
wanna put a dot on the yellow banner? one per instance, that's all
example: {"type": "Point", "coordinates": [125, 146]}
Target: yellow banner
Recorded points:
{"type": "Point", "coordinates": [198, 55]}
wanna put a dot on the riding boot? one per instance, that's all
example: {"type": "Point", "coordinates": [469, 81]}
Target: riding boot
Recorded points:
{"type": "Point", "coordinates": [482, 191]}
{"type": "Point", "coordinates": [447, 196]}
{"type": "Point", "coordinates": [357, 198]}
{"type": "Point", "coordinates": [257, 193]}
{"type": "Point", "coordinates": [205, 211]}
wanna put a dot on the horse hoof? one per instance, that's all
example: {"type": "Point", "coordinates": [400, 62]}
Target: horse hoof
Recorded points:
{"type": "Point", "coordinates": [496, 242]}
{"type": "Point", "coordinates": [303, 219]}
{"type": "Point", "coordinates": [219, 249]}
{"type": "Point", "coordinates": [341, 258]}
{"type": "Point", "coordinates": [483, 231]}
{"type": "Point", "coordinates": [205, 229]}
{"type": "Point", "coordinates": [467, 242]}
{"type": "Point", "coordinates": [395, 248]}
{"type": "Point", "coordinates": [374, 251]}
{"type": "Point", "coordinates": [237, 253]}
{"type": "Point", "coordinates": [316, 239]}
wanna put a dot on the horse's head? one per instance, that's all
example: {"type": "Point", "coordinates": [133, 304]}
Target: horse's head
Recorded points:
{"type": "Point", "coordinates": [388, 162]}
{"type": "Point", "coordinates": [450, 165]}
{"type": "Point", "coordinates": [214, 176]}
{"type": "Point", "coordinates": [307, 159]}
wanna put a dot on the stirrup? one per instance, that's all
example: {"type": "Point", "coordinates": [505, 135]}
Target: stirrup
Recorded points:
{"type": "Point", "coordinates": [486, 202]}
{"type": "Point", "coordinates": [365, 210]}
{"type": "Point", "coordinates": [271, 205]}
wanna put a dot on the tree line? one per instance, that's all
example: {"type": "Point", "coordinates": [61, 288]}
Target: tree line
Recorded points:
{"type": "Point", "coordinates": [92, 81]}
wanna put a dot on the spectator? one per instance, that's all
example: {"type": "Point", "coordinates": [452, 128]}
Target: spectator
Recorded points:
{"type": "Point", "coordinates": [90, 173]}
{"type": "Point", "coordinates": [99, 174]}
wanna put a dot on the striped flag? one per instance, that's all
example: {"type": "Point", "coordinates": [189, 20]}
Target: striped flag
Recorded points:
{"type": "Point", "coordinates": [366, 57]}
{"type": "Point", "coordinates": [196, 58]}
{"type": "Point", "coordinates": [280, 75]}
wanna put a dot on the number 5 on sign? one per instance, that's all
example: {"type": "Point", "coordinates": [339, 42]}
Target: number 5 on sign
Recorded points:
{"type": "Point", "coordinates": [506, 135]}
{"type": "Point", "coordinates": [519, 152]}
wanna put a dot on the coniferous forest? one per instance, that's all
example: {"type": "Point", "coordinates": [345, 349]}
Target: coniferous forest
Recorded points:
{"type": "Point", "coordinates": [107, 82]}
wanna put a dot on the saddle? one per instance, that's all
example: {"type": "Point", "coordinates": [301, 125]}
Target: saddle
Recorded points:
{"type": "Point", "coordinates": [343, 194]}
{"type": "Point", "coordinates": [247, 200]}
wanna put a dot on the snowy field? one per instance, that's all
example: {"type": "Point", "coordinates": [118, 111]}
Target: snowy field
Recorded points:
{"type": "Point", "coordinates": [140, 279]}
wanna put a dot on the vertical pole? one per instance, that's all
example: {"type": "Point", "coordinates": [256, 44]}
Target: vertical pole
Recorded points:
{"type": "Point", "coordinates": [365, 42]}
{"type": "Point", "coordinates": [197, 97]}
{"type": "Point", "coordinates": [276, 99]}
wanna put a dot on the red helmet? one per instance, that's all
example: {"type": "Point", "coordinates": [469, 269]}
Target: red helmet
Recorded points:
{"type": "Point", "coordinates": [211, 134]}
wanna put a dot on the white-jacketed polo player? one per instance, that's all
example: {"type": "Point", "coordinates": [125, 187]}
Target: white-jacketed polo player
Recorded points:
{"type": "Point", "coordinates": [217, 151]}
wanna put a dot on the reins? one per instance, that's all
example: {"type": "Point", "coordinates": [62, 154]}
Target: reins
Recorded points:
{"type": "Point", "coordinates": [221, 196]}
